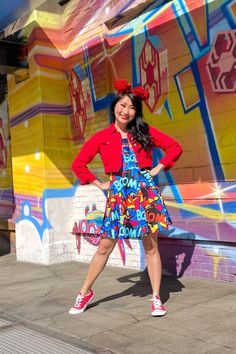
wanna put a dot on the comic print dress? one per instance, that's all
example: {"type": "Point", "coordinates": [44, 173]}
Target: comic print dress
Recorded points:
{"type": "Point", "coordinates": [134, 205]}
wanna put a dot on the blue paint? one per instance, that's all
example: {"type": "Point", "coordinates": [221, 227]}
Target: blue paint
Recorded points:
{"type": "Point", "coordinates": [219, 174]}
{"type": "Point", "coordinates": [12, 10]}
{"type": "Point", "coordinates": [228, 14]}
{"type": "Point", "coordinates": [102, 102]}
{"type": "Point", "coordinates": [119, 33]}
{"type": "Point", "coordinates": [134, 69]}
{"type": "Point", "coordinates": [47, 194]}
{"type": "Point", "coordinates": [154, 8]}
{"type": "Point", "coordinates": [194, 105]}
{"type": "Point", "coordinates": [29, 217]}
{"type": "Point", "coordinates": [193, 32]}
{"type": "Point", "coordinates": [81, 73]}
{"type": "Point", "coordinates": [178, 19]}
{"type": "Point", "coordinates": [128, 3]}
{"type": "Point", "coordinates": [168, 109]}
{"type": "Point", "coordinates": [206, 119]}
{"type": "Point", "coordinates": [157, 155]}
{"type": "Point", "coordinates": [228, 207]}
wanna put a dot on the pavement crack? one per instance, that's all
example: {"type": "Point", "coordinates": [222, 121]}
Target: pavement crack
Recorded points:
{"type": "Point", "coordinates": [92, 335]}
{"type": "Point", "coordinates": [135, 318]}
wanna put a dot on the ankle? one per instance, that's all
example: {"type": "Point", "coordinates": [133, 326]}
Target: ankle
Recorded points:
{"type": "Point", "coordinates": [84, 292]}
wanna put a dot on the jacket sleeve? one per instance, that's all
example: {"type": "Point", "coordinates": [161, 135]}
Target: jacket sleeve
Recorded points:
{"type": "Point", "coordinates": [86, 155]}
{"type": "Point", "coordinates": [171, 147]}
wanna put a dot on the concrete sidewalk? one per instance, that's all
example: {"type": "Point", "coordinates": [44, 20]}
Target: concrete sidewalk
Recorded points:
{"type": "Point", "coordinates": [201, 314]}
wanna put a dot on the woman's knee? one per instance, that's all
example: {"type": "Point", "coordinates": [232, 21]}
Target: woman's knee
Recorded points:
{"type": "Point", "coordinates": [150, 246]}
{"type": "Point", "coordinates": [151, 252]}
{"type": "Point", "coordinates": [105, 248]}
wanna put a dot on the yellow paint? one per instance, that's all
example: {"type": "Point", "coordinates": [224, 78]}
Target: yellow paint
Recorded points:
{"type": "Point", "coordinates": [215, 262]}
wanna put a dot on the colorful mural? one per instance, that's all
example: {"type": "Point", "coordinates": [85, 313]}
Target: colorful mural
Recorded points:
{"type": "Point", "coordinates": [184, 53]}
{"type": "Point", "coordinates": [91, 226]}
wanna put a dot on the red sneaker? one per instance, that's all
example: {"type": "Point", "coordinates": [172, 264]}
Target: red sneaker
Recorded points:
{"type": "Point", "coordinates": [81, 303]}
{"type": "Point", "coordinates": [157, 308]}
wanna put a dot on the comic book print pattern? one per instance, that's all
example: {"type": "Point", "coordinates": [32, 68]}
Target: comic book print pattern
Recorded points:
{"type": "Point", "coordinates": [134, 204]}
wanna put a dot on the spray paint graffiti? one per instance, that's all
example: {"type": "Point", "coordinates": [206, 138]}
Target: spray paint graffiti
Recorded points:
{"type": "Point", "coordinates": [184, 52]}
{"type": "Point", "coordinates": [90, 227]}
{"type": "Point", "coordinates": [81, 102]}
{"type": "Point", "coordinates": [221, 62]}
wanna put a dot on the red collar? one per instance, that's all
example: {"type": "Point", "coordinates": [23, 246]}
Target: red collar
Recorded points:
{"type": "Point", "coordinates": [112, 128]}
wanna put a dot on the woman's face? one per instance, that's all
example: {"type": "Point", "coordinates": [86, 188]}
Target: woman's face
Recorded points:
{"type": "Point", "coordinates": [124, 112]}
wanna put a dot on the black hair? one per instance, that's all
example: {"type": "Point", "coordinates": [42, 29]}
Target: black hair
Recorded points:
{"type": "Point", "coordinates": [138, 129]}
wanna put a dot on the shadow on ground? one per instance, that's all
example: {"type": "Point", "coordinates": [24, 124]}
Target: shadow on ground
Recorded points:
{"type": "Point", "coordinates": [140, 286]}
{"type": "Point", "coordinates": [5, 247]}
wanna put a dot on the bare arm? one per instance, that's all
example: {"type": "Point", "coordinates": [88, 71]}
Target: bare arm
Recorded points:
{"type": "Point", "coordinates": [102, 185]}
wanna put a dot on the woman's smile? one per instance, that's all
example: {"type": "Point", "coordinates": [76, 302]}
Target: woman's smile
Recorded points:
{"type": "Point", "coordinates": [124, 112]}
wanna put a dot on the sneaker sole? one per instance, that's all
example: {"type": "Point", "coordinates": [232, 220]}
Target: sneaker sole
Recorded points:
{"type": "Point", "coordinates": [159, 313]}
{"type": "Point", "coordinates": [73, 311]}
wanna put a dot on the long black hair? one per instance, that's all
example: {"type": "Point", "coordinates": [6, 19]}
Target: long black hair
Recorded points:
{"type": "Point", "coordinates": [137, 128]}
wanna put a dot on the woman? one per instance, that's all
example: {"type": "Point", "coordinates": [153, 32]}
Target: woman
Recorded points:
{"type": "Point", "coordinates": [135, 208]}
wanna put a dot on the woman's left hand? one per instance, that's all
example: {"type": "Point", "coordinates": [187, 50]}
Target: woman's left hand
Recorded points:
{"type": "Point", "coordinates": [155, 170]}
{"type": "Point", "coordinates": [151, 173]}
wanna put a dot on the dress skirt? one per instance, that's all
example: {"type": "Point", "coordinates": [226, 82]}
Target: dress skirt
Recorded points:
{"type": "Point", "coordinates": [134, 205]}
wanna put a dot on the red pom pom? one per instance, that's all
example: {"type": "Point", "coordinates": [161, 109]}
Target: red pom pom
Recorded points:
{"type": "Point", "coordinates": [122, 86]}
{"type": "Point", "coordinates": [140, 92]}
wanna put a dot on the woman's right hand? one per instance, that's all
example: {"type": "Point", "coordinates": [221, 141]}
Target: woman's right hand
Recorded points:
{"type": "Point", "coordinates": [104, 186]}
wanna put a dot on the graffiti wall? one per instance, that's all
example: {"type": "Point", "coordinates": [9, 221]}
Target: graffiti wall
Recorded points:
{"type": "Point", "coordinates": [6, 188]}
{"type": "Point", "coordinates": [183, 52]}
{"type": "Point", "coordinates": [39, 111]}
{"type": "Point", "coordinates": [187, 65]}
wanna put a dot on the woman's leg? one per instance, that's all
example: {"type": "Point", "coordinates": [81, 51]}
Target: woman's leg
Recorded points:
{"type": "Point", "coordinates": [98, 263]}
{"type": "Point", "coordinates": [153, 262]}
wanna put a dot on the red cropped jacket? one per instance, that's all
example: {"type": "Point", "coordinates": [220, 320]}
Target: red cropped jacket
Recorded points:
{"type": "Point", "coordinates": [107, 143]}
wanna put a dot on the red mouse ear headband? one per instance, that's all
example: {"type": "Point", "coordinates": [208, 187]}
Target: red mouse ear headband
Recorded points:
{"type": "Point", "coordinates": [124, 86]}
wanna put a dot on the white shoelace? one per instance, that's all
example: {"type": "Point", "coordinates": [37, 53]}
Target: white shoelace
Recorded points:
{"type": "Point", "coordinates": [79, 300]}
{"type": "Point", "coordinates": [157, 303]}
